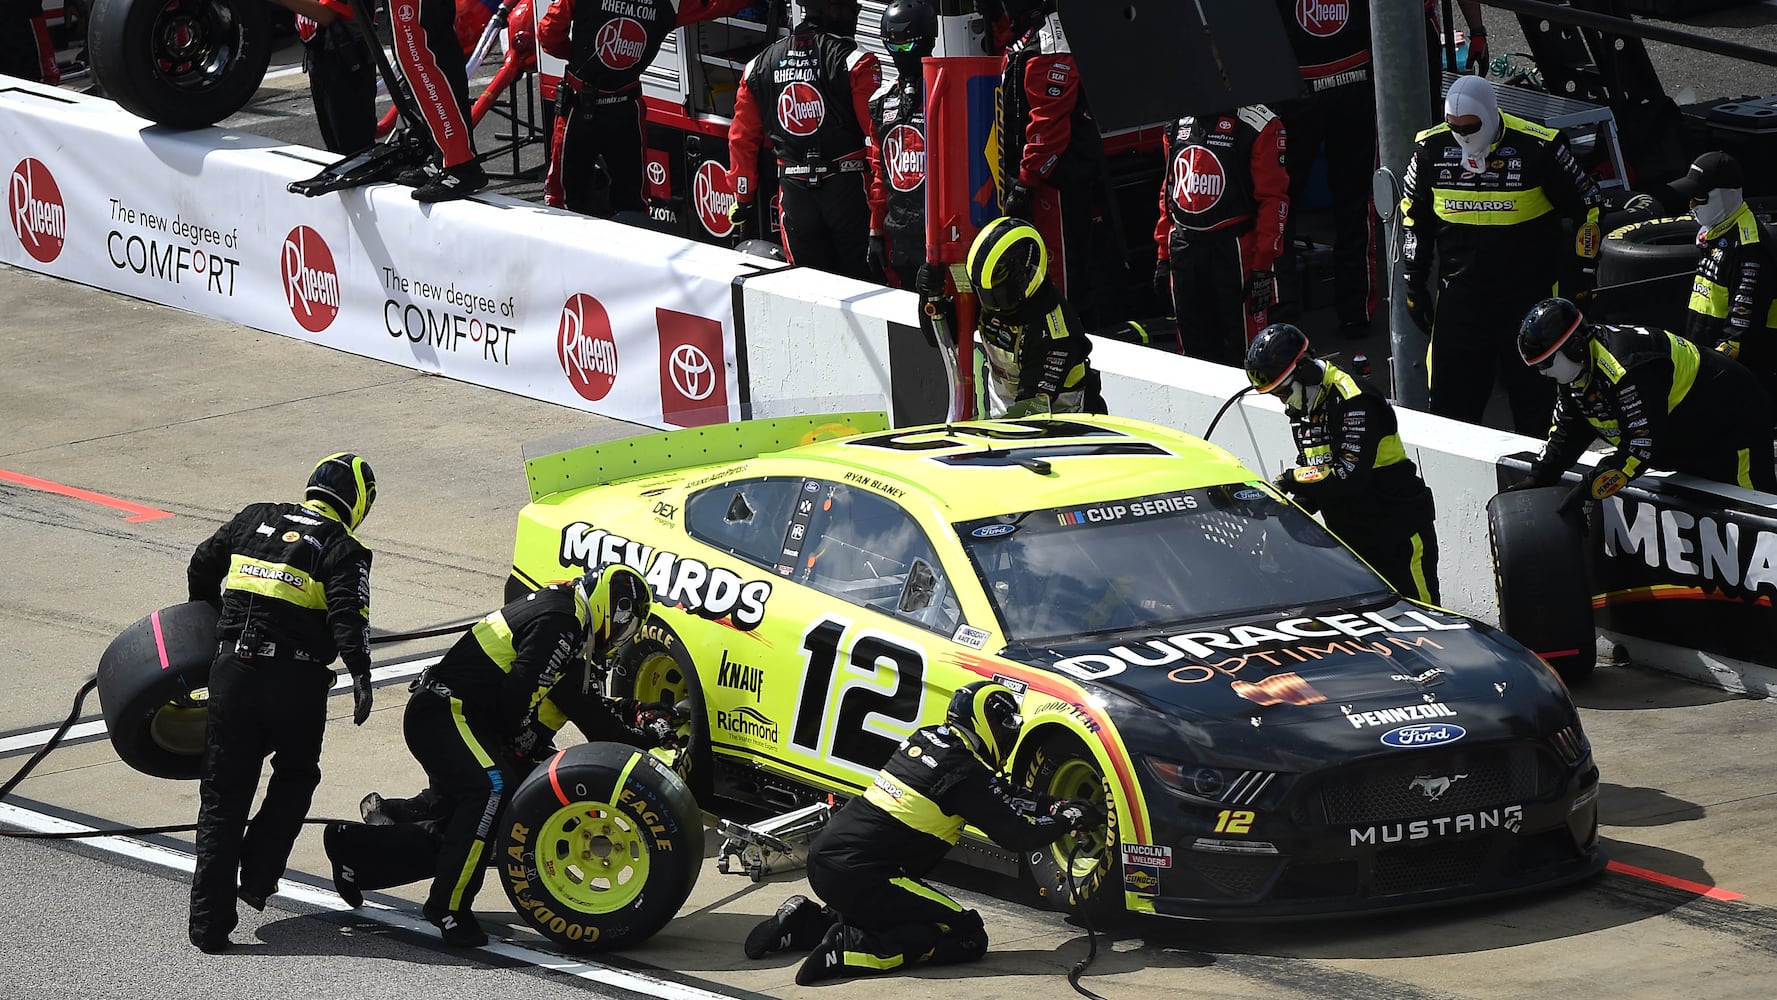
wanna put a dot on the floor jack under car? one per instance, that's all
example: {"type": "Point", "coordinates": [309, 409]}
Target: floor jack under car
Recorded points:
{"type": "Point", "coordinates": [770, 846]}
{"type": "Point", "coordinates": [406, 146]}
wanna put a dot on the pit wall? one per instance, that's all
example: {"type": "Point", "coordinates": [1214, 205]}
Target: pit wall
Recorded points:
{"type": "Point", "coordinates": [630, 324]}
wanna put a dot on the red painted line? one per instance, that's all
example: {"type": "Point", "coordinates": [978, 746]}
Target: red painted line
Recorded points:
{"type": "Point", "coordinates": [160, 643]}
{"type": "Point", "coordinates": [1674, 881]}
{"type": "Point", "coordinates": [138, 512]}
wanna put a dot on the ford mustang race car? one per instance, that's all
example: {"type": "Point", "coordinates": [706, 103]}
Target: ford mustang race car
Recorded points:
{"type": "Point", "coordinates": [1273, 730]}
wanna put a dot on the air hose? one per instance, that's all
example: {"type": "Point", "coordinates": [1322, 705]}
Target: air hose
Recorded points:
{"type": "Point", "coordinates": [74, 716]}
{"type": "Point", "coordinates": [1079, 969]}
{"type": "Point", "coordinates": [1218, 417]}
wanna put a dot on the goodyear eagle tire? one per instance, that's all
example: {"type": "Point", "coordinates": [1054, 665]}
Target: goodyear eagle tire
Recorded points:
{"type": "Point", "coordinates": [657, 668]}
{"type": "Point", "coordinates": [1059, 766]}
{"type": "Point", "coordinates": [183, 63]}
{"type": "Point", "coordinates": [152, 690]}
{"type": "Point", "coordinates": [1540, 580]}
{"type": "Point", "coordinates": [600, 847]}
{"type": "Point", "coordinates": [1660, 252]}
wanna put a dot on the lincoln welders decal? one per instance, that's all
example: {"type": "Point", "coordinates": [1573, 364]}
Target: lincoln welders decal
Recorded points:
{"type": "Point", "coordinates": [706, 591]}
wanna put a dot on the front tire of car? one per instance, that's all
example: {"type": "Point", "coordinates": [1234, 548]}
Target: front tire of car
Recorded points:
{"type": "Point", "coordinates": [1072, 874]}
{"type": "Point", "coordinates": [657, 668]}
{"type": "Point", "coordinates": [1540, 579]}
{"type": "Point", "coordinates": [153, 690]}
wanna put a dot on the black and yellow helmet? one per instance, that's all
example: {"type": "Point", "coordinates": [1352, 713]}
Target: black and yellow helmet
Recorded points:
{"type": "Point", "coordinates": [985, 713]}
{"type": "Point", "coordinates": [618, 602]}
{"type": "Point", "coordinates": [345, 483]}
{"type": "Point", "coordinates": [1007, 263]}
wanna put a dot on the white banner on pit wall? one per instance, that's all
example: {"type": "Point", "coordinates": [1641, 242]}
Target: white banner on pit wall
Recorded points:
{"type": "Point", "coordinates": [554, 306]}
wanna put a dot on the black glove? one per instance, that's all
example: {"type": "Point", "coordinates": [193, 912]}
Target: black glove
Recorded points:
{"type": "Point", "coordinates": [1574, 502]}
{"type": "Point", "coordinates": [361, 698]}
{"type": "Point", "coordinates": [1163, 280]}
{"type": "Point", "coordinates": [1261, 290]}
{"type": "Point", "coordinates": [876, 256]}
{"type": "Point", "coordinates": [1285, 482]}
{"type": "Point", "coordinates": [1018, 199]}
{"type": "Point", "coordinates": [1527, 483]}
{"type": "Point", "coordinates": [1419, 305]}
{"type": "Point", "coordinates": [929, 283]}
{"type": "Point", "coordinates": [657, 726]}
{"type": "Point", "coordinates": [741, 218]}
{"type": "Point", "coordinates": [1079, 814]}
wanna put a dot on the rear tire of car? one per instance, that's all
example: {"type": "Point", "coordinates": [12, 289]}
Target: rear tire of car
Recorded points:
{"type": "Point", "coordinates": [1540, 578]}
{"type": "Point", "coordinates": [182, 63]}
{"type": "Point", "coordinates": [1058, 765]}
{"type": "Point", "coordinates": [152, 690]}
{"type": "Point", "coordinates": [657, 668]}
{"type": "Point", "coordinates": [600, 847]}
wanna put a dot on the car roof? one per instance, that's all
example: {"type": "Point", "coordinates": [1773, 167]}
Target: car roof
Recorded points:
{"type": "Point", "coordinates": [982, 468]}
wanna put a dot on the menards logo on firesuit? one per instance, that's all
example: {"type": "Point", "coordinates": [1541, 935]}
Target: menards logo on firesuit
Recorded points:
{"type": "Point", "coordinates": [1220, 645]}
{"type": "Point", "coordinates": [706, 591]}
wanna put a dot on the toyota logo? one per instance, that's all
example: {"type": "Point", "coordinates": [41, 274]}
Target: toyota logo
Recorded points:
{"type": "Point", "coordinates": [691, 372]}
{"type": "Point", "coordinates": [656, 172]}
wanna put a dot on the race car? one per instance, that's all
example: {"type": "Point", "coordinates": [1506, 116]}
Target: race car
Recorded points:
{"type": "Point", "coordinates": [1273, 730]}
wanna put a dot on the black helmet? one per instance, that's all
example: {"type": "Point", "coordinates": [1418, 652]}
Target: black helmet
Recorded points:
{"type": "Point", "coordinates": [345, 483]}
{"type": "Point", "coordinates": [909, 29]}
{"type": "Point", "coordinates": [839, 17]}
{"type": "Point", "coordinates": [1007, 263]}
{"type": "Point", "coordinates": [1553, 338]}
{"type": "Point", "coordinates": [618, 602]}
{"type": "Point", "coordinates": [986, 714]}
{"type": "Point", "coordinates": [1274, 355]}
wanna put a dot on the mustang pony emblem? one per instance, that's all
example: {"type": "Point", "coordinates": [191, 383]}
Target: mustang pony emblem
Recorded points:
{"type": "Point", "coordinates": [1434, 788]}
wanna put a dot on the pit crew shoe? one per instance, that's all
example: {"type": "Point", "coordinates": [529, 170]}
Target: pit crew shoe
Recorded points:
{"type": "Point", "coordinates": [460, 929]}
{"type": "Point", "coordinates": [254, 899]}
{"type": "Point", "coordinates": [211, 944]}
{"type": "Point", "coordinates": [827, 961]}
{"type": "Point", "coordinates": [795, 923]}
{"type": "Point", "coordinates": [416, 176]}
{"type": "Point", "coordinates": [452, 183]}
{"type": "Point", "coordinates": [345, 881]}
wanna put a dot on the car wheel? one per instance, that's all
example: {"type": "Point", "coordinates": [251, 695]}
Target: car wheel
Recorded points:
{"type": "Point", "coordinates": [600, 846]}
{"type": "Point", "coordinates": [152, 690]}
{"type": "Point", "coordinates": [1661, 253]}
{"type": "Point", "coordinates": [657, 668]}
{"type": "Point", "coordinates": [1073, 873]}
{"type": "Point", "coordinates": [183, 63]}
{"type": "Point", "coordinates": [1540, 580]}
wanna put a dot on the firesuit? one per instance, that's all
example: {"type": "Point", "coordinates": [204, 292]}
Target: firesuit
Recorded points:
{"type": "Point", "coordinates": [1663, 403]}
{"type": "Point", "coordinates": [433, 62]}
{"type": "Point", "coordinates": [1050, 155]}
{"type": "Point", "coordinates": [898, 118]}
{"type": "Point", "coordinates": [476, 717]}
{"type": "Point", "coordinates": [1332, 46]}
{"type": "Point", "coordinates": [599, 112]}
{"type": "Point", "coordinates": [868, 863]}
{"type": "Point", "coordinates": [1733, 304]}
{"type": "Point", "coordinates": [1224, 203]}
{"type": "Point", "coordinates": [1351, 467]}
{"type": "Point", "coordinates": [25, 49]}
{"type": "Point", "coordinates": [808, 96]}
{"type": "Point", "coordinates": [342, 78]}
{"type": "Point", "coordinates": [1494, 215]}
{"type": "Point", "coordinates": [295, 587]}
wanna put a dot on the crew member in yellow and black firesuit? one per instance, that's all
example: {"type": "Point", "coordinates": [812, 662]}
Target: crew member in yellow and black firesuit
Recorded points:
{"type": "Point", "coordinates": [1488, 192]}
{"type": "Point", "coordinates": [1732, 307]}
{"type": "Point", "coordinates": [870, 861]}
{"type": "Point", "coordinates": [1035, 347]}
{"type": "Point", "coordinates": [1664, 403]}
{"type": "Point", "coordinates": [1350, 464]}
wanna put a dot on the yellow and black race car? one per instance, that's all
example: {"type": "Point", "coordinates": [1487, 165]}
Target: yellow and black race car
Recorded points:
{"type": "Point", "coordinates": [1274, 731]}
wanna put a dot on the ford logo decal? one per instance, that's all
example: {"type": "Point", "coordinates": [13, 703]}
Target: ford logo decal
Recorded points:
{"type": "Point", "coordinates": [1429, 734]}
{"type": "Point", "coordinates": [993, 530]}
{"type": "Point", "coordinates": [1249, 496]}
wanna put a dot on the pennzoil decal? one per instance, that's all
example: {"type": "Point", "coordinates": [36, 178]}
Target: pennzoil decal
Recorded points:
{"type": "Point", "coordinates": [706, 591]}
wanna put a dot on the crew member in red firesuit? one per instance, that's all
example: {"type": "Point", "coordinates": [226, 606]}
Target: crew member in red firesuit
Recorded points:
{"type": "Point", "coordinates": [898, 114]}
{"type": "Point", "coordinates": [342, 76]}
{"type": "Point", "coordinates": [25, 48]}
{"type": "Point", "coordinates": [808, 96]}
{"type": "Point", "coordinates": [1490, 191]}
{"type": "Point", "coordinates": [1050, 156]}
{"type": "Point", "coordinates": [434, 65]}
{"type": "Point", "coordinates": [1331, 40]}
{"type": "Point", "coordinates": [595, 162]}
{"type": "Point", "coordinates": [1224, 203]}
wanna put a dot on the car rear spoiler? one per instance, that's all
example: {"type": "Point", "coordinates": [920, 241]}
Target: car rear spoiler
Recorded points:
{"type": "Point", "coordinates": [648, 454]}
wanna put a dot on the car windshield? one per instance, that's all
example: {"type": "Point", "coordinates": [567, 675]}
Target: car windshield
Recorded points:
{"type": "Point", "coordinates": [1155, 560]}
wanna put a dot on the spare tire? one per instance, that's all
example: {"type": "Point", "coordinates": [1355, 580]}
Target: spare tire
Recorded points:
{"type": "Point", "coordinates": [600, 846]}
{"type": "Point", "coordinates": [1540, 579]}
{"type": "Point", "coordinates": [153, 690]}
{"type": "Point", "coordinates": [1644, 273]}
{"type": "Point", "coordinates": [183, 63]}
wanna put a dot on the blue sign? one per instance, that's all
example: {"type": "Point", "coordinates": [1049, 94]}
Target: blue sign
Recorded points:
{"type": "Point", "coordinates": [1426, 734]}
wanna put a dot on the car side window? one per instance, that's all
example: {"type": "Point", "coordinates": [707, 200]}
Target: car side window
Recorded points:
{"type": "Point", "coordinates": [746, 518]}
{"type": "Point", "coordinates": [860, 547]}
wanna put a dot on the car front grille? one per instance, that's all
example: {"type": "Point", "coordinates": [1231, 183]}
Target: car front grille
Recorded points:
{"type": "Point", "coordinates": [1422, 869]}
{"type": "Point", "coordinates": [1236, 875]}
{"type": "Point", "coordinates": [1423, 785]}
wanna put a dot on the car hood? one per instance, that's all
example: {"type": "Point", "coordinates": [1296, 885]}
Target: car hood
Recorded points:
{"type": "Point", "coordinates": [1347, 677]}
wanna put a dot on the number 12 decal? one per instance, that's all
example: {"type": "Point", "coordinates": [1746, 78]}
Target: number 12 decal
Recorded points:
{"type": "Point", "coordinates": [882, 679]}
{"type": "Point", "coordinates": [1235, 821]}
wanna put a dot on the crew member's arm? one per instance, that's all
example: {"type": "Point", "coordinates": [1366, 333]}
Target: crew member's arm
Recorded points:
{"type": "Point", "coordinates": [1350, 476]}
{"type": "Point", "coordinates": [1640, 401]}
{"type": "Point", "coordinates": [345, 571]}
{"type": "Point", "coordinates": [1569, 434]}
{"type": "Point", "coordinates": [1419, 220]}
{"type": "Point", "coordinates": [1163, 226]}
{"type": "Point", "coordinates": [1052, 354]}
{"type": "Point", "coordinates": [555, 29]}
{"type": "Point", "coordinates": [1576, 194]}
{"type": "Point", "coordinates": [1051, 89]}
{"type": "Point", "coordinates": [866, 80]}
{"type": "Point", "coordinates": [879, 171]}
{"type": "Point", "coordinates": [746, 132]}
{"type": "Point", "coordinates": [992, 806]}
{"type": "Point", "coordinates": [209, 564]}
{"type": "Point", "coordinates": [546, 646]}
{"type": "Point", "coordinates": [1271, 191]}
{"type": "Point", "coordinates": [1750, 305]}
